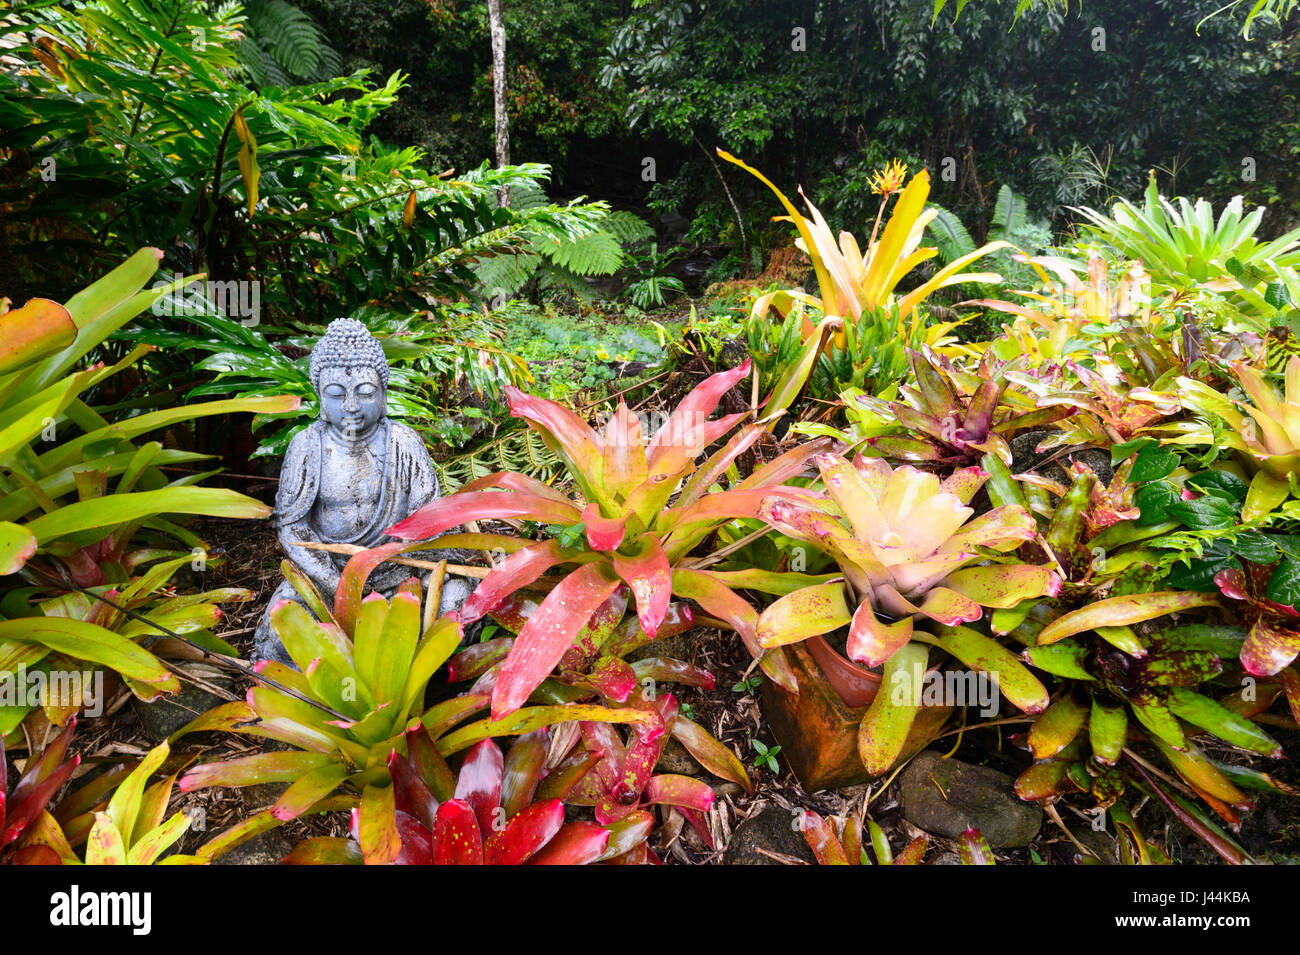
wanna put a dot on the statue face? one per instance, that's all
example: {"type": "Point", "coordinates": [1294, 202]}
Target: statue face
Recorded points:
{"type": "Point", "coordinates": [352, 401]}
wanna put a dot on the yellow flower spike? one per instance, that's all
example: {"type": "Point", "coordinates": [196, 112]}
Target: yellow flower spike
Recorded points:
{"type": "Point", "coordinates": [889, 178]}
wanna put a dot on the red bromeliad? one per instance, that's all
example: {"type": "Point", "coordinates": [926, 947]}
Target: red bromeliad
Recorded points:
{"type": "Point", "coordinates": [23, 809]}
{"type": "Point", "coordinates": [498, 810]}
{"type": "Point", "coordinates": [633, 541]}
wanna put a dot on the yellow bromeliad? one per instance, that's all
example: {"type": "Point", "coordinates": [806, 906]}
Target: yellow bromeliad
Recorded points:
{"type": "Point", "coordinates": [851, 281]}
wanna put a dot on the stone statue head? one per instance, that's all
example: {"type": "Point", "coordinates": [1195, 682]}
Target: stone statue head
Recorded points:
{"type": "Point", "coordinates": [350, 375]}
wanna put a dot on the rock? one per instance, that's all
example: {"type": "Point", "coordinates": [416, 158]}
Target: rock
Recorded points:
{"type": "Point", "coordinates": [676, 647]}
{"type": "Point", "coordinates": [1097, 460]}
{"type": "Point", "coordinates": [733, 353]}
{"type": "Point", "coordinates": [1023, 449]}
{"type": "Point", "coordinates": [1024, 457]}
{"type": "Point", "coordinates": [946, 797]}
{"type": "Point", "coordinates": [165, 716]}
{"type": "Point", "coordinates": [774, 830]}
{"type": "Point", "coordinates": [676, 759]}
{"type": "Point", "coordinates": [265, 849]}
{"type": "Point", "coordinates": [1101, 843]}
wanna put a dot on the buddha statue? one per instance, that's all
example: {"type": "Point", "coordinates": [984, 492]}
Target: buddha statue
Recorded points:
{"type": "Point", "coordinates": [350, 474]}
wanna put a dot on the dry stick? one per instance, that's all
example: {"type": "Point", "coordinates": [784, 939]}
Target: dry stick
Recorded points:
{"type": "Point", "coordinates": [464, 570]}
{"type": "Point", "coordinates": [1056, 818]}
{"type": "Point", "coordinates": [473, 528]}
{"type": "Point", "coordinates": [717, 555]}
{"type": "Point", "coordinates": [735, 208]}
{"type": "Point", "coordinates": [433, 596]}
{"type": "Point", "coordinates": [216, 691]}
{"type": "Point", "coordinates": [188, 677]}
{"type": "Point", "coordinates": [1155, 770]}
{"type": "Point", "coordinates": [980, 726]}
{"type": "Point", "coordinates": [780, 857]}
{"type": "Point", "coordinates": [619, 394]}
{"type": "Point", "coordinates": [655, 394]}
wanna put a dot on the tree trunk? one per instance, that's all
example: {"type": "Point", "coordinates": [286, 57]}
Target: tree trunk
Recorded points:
{"type": "Point", "coordinates": [501, 121]}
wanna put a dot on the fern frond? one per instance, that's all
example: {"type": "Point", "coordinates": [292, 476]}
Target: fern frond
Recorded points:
{"type": "Point", "coordinates": [596, 254]}
{"type": "Point", "coordinates": [292, 39]}
{"type": "Point", "coordinates": [551, 277]}
{"type": "Point", "coordinates": [506, 274]}
{"type": "Point", "coordinates": [520, 450]}
{"type": "Point", "coordinates": [949, 235]}
{"type": "Point", "coordinates": [627, 227]}
{"type": "Point", "coordinates": [1009, 212]}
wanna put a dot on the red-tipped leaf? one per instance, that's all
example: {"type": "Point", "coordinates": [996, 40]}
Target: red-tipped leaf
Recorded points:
{"type": "Point", "coordinates": [548, 633]}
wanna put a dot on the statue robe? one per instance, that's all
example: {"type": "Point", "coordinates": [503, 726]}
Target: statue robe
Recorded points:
{"type": "Point", "coordinates": [409, 482]}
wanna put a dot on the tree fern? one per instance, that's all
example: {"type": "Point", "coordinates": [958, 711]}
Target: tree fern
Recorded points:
{"type": "Point", "coordinates": [1010, 213]}
{"type": "Point", "coordinates": [627, 227]}
{"type": "Point", "coordinates": [284, 45]}
{"type": "Point", "coordinates": [596, 254]}
{"type": "Point", "coordinates": [505, 274]}
{"type": "Point", "coordinates": [949, 235]}
{"type": "Point", "coordinates": [553, 278]}
{"type": "Point", "coordinates": [562, 247]}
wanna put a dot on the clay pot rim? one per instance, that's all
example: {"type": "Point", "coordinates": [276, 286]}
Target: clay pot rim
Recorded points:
{"type": "Point", "coordinates": [842, 674]}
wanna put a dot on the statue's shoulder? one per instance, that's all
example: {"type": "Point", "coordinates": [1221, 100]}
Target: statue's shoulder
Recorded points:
{"type": "Point", "coordinates": [299, 475]}
{"type": "Point", "coordinates": [408, 438]}
{"type": "Point", "coordinates": [304, 444]}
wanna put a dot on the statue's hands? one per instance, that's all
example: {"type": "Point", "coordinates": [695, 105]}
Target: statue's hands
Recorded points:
{"type": "Point", "coordinates": [316, 564]}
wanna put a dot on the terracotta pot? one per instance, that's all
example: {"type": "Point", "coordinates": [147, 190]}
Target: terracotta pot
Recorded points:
{"type": "Point", "coordinates": [817, 729]}
{"type": "Point", "coordinates": [855, 685]}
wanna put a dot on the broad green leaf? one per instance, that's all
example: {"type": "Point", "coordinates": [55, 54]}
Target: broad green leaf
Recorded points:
{"type": "Point", "coordinates": [805, 613]}
{"type": "Point", "coordinates": [1222, 722]}
{"type": "Point", "coordinates": [87, 641]}
{"type": "Point", "coordinates": [107, 512]}
{"type": "Point", "coordinates": [1121, 611]}
{"type": "Point", "coordinates": [886, 724]}
{"type": "Point", "coordinates": [975, 650]}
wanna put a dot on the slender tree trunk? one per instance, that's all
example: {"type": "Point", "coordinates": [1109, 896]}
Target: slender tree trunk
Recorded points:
{"type": "Point", "coordinates": [501, 122]}
{"type": "Point", "coordinates": [740, 219]}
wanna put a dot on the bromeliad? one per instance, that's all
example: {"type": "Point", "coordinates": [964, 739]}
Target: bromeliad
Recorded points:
{"type": "Point", "coordinates": [629, 537]}
{"type": "Point", "coordinates": [498, 810]}
{"type": "Point", "coordinates": [910, 553]}
{"type": "Point", "coordinates": [952, 417]}
{"type": "Point", "coordinates": [363, 669]}
{"type": "Point", "coordinates": [865, 321]}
